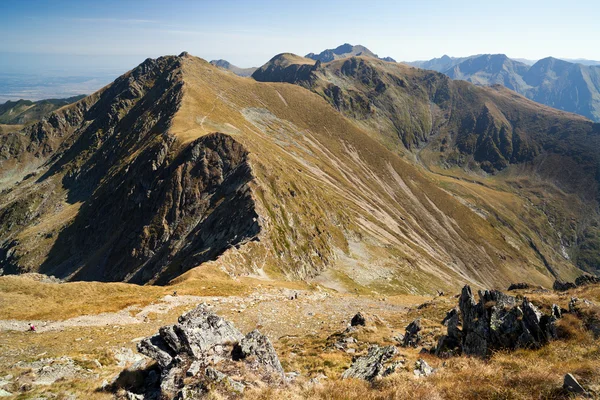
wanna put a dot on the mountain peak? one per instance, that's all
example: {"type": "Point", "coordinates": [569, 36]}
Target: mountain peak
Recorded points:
{"type": "Point", "coordinates": [344, 51]}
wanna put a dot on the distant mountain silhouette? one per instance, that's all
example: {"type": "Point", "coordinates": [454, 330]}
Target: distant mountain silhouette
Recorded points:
{"type": "Point", "coordinates": [567, 86]}
{"type": "Point", "coordinates": [224, 64]}
{"type": "Point", "coordinates": [344, 51]}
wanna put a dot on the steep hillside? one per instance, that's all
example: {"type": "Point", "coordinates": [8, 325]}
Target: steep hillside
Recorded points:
{"type": "Point", "coordinates": [463, 131]}
{"type": "Point", "coordinates": [24, 111]}
{"type": "Point", "coordinates": [179, 164]}
{"type": "Point", "coordinates": [233, 68]}
{"type": "Point", "coordinates": [344, 51]}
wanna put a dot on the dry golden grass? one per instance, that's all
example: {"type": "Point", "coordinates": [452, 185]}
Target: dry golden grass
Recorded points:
{"type": "Point", "coordinates": [520, 375]}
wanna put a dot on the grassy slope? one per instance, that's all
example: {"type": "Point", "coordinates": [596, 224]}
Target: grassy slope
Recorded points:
{"type": "Point", "coordinates": [303, 150]}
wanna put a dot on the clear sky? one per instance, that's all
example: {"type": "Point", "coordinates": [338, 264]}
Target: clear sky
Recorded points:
{"type": "Point", "coordinates": [121, 33]}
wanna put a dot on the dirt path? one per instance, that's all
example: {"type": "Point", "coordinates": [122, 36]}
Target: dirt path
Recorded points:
{"type": "Point", "coordinates": [277, 311]}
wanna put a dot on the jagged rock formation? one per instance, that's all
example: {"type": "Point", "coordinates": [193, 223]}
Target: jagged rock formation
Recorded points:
{"type": "Point", "coordinates": [582, 280]}
{"type": "Point", "coordinates": [375, 364]}
{"type": "Point", "coordinates": [202, 351]}
{"type": "Point", "coordinates": [495, 322]}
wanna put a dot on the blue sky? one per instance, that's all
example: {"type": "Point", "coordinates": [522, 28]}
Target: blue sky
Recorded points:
{"type": "Point", "coordinates": [114, 34]}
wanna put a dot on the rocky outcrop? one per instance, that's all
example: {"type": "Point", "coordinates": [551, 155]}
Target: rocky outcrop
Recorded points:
{"type": "Point", "coordinates": [202, 353]}
{"type": "Point", "coordinates": [586, 280]}
{"type": "Point", "coordinates": [563, 286]}
{"type": "Point", "coordinates": [374, 364]}
{"type": "Point", "coordinates": [517, 286]}
{"type": "Point", "coordinates": [496, 321]}
{"type": "Point", "coordinates": [358, 320]}
{"type": "Point", "coordinates": [412, 337]}
{"type": "Point", "coordinates": [582, 280]}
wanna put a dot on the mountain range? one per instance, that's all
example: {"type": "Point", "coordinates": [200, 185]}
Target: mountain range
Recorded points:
{"type": "Point", "coordinates": [359, 174]}
{"type": "Point", "coordinates": [564, 85]}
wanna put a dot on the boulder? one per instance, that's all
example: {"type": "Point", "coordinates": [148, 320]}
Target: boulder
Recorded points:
{"type": "Point", "coordinates": [358, 320]}
{"type": "Point", "coordinates": [258, 347]}
{"type": "Point", "coordinates": [561, 286]}
{"type": "Point", "coordinates": [517, 286]}
{"type": "Point", "coordinates": [412, 337]}
{"type": "Point", "coordinates": [201, 351]}
{"type": "Point", "coordinates": [422, 368]}
{"type": "Point", "coordinates": [571, 385]}
{"type": "Point", "coordinates": [372, 365]}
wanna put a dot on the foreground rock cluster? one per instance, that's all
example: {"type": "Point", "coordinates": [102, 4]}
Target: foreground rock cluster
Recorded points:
{"type": "Point", "coordinates": [496, 321]}
{"type": "Point", "coordinates": [204, 353]}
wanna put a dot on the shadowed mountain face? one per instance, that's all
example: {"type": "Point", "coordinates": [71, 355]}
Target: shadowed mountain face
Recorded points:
{"type": "Point", "coordinates": [363, 175]}
{"type": "Point", "coordinates": [559, 84]}
{"type": "Point", "coordinates": [344, 51]}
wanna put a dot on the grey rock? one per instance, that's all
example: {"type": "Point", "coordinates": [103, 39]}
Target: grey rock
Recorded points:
{"type": "Point", "coordinates": [393, 367]}
{"type": "Point", "coordinates": [496, 321]}
{"type": "Point", "coordinates": [556, 311]}
{"type": "Point", "coordinates": [372, 365]}
{"type": "Point", "coordinates": [412, 337]}
{"type": "Point", "coordinates": [200, 330]}
{"type": "Point", "coordinates": [422, 368]}
{"type": "Point", "coordinates": [212, 375]}
{"type": "Point", "coordinates": [194, 368]}
{"type": "Point", "coordinates": [235, 386]}
{"type": "Point", "coordinates": [259, 346]}
{"type": "Point", "coordinates": [4, 393]}
{"type": "Point", "coordinates": [571, 385]}
{"type": "Point", "coordinates": [134, 396]}
{"type": "Point", "coordinates": [156, 348]}
{"type": "Point", "coordinates": [189, 351]}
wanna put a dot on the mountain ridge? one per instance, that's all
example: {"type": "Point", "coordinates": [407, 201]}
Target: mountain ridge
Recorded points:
{"type": "Point", "coordinates": [177, 147]}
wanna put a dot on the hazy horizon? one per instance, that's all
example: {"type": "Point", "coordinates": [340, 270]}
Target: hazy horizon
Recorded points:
{"type": "Point", "coordinates": [79, 39]}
